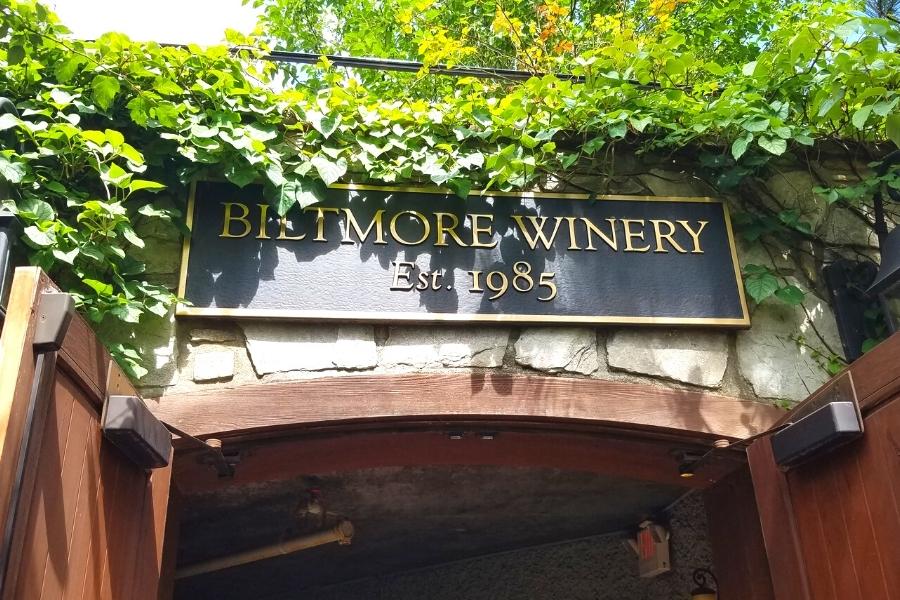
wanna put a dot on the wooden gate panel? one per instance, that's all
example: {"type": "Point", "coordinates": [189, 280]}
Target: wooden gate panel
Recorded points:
{"type": "Point", "coordinates": [839, 513]}
{"type": "Point", "coordinates": [91, 525]}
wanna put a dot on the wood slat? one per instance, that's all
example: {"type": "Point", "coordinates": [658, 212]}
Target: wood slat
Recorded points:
{"type": "Point", "coordinates": [123, 532]}
{"type": "Point", "coordinates": [385, 397]}
{"type": "Point", "coordinates": [62, 509]}
{"type": "Point", "coordinates": [849, 481]}
{"type": "Point", "coordinates": [835, 545]}
{"type": "Point", "coordinates": [779, 528]}
{"type": "Point", "coordinates": [16, 374]}
{"type": "Point", "coordinates": [101, 517]}
{"type": "Point", "coordinates": [811, 526]}
{"type": "Point", "coordinates": [152, 533]}
{"type": "Point", "coordinates": [880, 457]}
{"type": "Point", "coordinates": [739, 553]}
{"type": "Point", "coordinates": [80, 553]}
{"type": "Point", "coordinates": [43, 503]}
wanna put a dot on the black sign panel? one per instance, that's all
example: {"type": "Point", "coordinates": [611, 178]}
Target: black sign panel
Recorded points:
{"type": "Point", "coordinates": [407, 254]}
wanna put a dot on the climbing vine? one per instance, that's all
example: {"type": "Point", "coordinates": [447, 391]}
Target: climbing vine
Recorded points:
{"type": "Point", "coordinates": [107, 133]}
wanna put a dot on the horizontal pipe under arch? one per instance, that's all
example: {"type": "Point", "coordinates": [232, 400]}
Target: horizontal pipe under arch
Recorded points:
{"type": "Point", "coordinates": [336, 424]}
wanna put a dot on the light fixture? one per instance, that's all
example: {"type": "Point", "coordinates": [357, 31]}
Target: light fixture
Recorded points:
{"type": "Point", "coordinates": [887, 282]}
{"type": "Point", "coordinates": [132, 428]}
{"type": "Point", "coordinates": [703, 591]}
{"type": "Point", "coordinates": [820, 431]}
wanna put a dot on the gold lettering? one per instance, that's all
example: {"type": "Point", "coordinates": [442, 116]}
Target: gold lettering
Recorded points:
{"type": "Point", "coordinates": [282, 231]}
{"type": "Point", "coordinates": [402, 271]}
{"type": "Point", "coordinates": [532, 240]}
{"type": "Point", "coordinates": [660, 236]}
{"type": "Point", "coordinates": [426, 227]}
{"type": "Point", "coordinates": [573, 242]}
{"type": "Point", "coordinates": [695, 235]}
{"type": "Point", "coordinates": [226, 226]}
{"type": "Point", "coordinates": [320, 220]}
{"type": "Point", "coordinates": [589, 226]}
{"type": "Point", "coordinates": [423, 281]}
{"type": "Point", "coordinates": [441, 229]}
{"type": "Point", "coordinates": [263, 218]}
{"type": "Point", "coordinates": [351, 223]}
{"type": "Point", "coordinates": [629, 234]}
{"type": "Point", "coordinates": [477, 230]}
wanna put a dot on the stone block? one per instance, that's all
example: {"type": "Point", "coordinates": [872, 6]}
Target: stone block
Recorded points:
{"type": "Point", "coordinates": [212, 365]}
{"type": "Point", "coordinates": [278, 347]}
{"type": "Point", "coordinates": [775, 365]}
{"type": "Point", "coordinates": [794, 190]}
{"type": "Point", "coordinates": [556, 349]}
{"type": "Point", "coordinates": [843, 227]}
{"type": "Point", "coordinates": [427, 347]}
{"type": "Point", "coordinates": [689, 356]}
{"type": "Point", "coordinates": [672, 183]}
{"type": "Point", "coordinates": [216, 336]}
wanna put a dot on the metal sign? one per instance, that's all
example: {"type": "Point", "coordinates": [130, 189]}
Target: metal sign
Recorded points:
{"type": "Point", "coordinates": [408, 254]}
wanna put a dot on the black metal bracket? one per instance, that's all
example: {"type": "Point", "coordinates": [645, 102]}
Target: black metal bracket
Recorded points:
{"type": "Point", "coordinates": [223, 462]}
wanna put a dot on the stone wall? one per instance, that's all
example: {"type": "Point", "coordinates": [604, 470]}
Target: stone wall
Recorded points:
{"type": "Point", "coordinates": [765, 362]}
{"type": "Point", "coordinates": [594, 568]}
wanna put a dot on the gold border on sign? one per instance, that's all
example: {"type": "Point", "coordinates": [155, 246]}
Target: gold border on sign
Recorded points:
{"type": "Point", "coordinates": [183, 310]}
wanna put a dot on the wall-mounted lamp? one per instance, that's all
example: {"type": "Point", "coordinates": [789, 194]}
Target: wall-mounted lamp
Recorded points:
{"type": "Point", "coordinates": [887, 282]}
{"type": "Point", "coordinates": [702, 579]}
{"type": "Point", "coordinates": [132, 428]}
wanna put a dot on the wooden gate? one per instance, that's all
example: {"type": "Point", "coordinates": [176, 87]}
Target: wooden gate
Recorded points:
{"type": "Point", "coordinates": [832, 526]}
{"type": "Point", "coordinates": [79, 520]}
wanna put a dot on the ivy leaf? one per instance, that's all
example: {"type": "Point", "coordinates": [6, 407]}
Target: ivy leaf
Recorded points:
{"type": "Point", "coordinates": [104, 289]}
{"type": "Point", "coordinates": [35, 209]}
{"type": "Point", "coordinates": [329, 171]}
{"type": "Point", "coordinates": [12, 172]}
{"type": "Point", "coordinates": [776, 146]}
{"type": "Point", "coordinates": [892, 128]}
{"type": "Point", "coordinates": [618, 130]}
{"type": "Point", "coordinates": [761, 286]}
{"type": "Point", "coordinates": [640, 124]}
{"type": "Point", "coordinates": [8, 120]}
{"type": "Point", "coordinates": [476, 159]}
{"type": "Point", "coordinates": [15, 55]}
{"type": "Point", "coordinates": [66, 257]}
{"type": "Point", "coordinates": [461, 186]}
{"type": "Point", "coordinates": [756, 125]}
{"type": "Point", "coordinates": [740, 145]}
{"type": "Point", "coordinates": [240, 175]}
{"type": "Point", "coordinates": [790, 294]}
{"type": "Point", "coordinates": [326, 125]}
{"type": "Point", "coordinates": [860, 116]}
{"type": "Point", "coordinates": [143, 184]}
{"type": "Point", "coordinates": [302, 192]}
{"type": "Point", "coordinates": [38, 238]}
{"type": "Point", "coordinates": [105, 90]}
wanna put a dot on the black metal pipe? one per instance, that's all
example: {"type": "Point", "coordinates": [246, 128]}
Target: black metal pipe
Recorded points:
{"type": "Point", "coordinates": [409, 66]}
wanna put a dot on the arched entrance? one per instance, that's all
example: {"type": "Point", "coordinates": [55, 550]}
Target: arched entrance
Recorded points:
{"type": "Point", "coordinates": [483, 463]}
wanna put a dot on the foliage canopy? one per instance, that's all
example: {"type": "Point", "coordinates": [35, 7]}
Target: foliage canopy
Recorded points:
{"type": "Point", "coordinates": [103, 126]}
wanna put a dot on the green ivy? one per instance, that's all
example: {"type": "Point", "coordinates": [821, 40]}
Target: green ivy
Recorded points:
{"type": "Point", "coordinates": [105, 126]}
